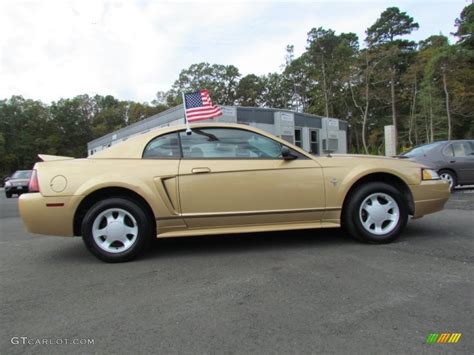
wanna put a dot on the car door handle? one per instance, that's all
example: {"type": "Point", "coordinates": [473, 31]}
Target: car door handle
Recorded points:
{"type": "Point", "coordinates": [452, 161]}
{"type": "Point", "coordinates": [200, 170]}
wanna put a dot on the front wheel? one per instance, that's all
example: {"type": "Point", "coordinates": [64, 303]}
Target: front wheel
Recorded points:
{"type": "Point", "coordinates": [8, 195]}
{"type": "Point", "coordinates": [116, 230]}
{"type": "Point", "coordinates": [375, 213]}
{"type": "Point", "coordinates": [449, 177]}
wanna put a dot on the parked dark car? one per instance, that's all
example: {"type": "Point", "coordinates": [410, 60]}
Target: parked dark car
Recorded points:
{"type": "Point", "coordinates": [453, 160]}
{"type": "Point", "coordinates": [17, 183]}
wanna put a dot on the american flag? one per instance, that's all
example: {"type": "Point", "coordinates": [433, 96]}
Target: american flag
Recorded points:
{"type": "Point", "coordinates": [198, 106]}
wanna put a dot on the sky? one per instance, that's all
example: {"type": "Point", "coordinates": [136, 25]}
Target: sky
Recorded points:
{"type": "Point", "coordinates": [132, 49]}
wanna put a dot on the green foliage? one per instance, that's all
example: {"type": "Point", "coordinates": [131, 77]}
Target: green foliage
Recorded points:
{"type": "Point", "coordinates": [465, 27]}
{"type": "Point", "coordinates": [276, 91]}
{"type": "Point", "coordinates": [391, 23]}
{"type": "Point", "coordinates": [329, 59]}
{"type": "Point", "coordinates": [250, 90]}
{"type": "Point", "coordinates": [29, 127]}
{"type": "Point", "coordinates": [220, 80]}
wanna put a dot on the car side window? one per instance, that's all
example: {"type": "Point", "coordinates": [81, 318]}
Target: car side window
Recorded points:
{"type": "Point", "coordinates": [225, 143]}
{"type": "Point", "coordinates": [163, 147]}
{"type": "Point", "coordinates": [462, 149]}
{"type": "Point", "coordinates": [448, 151]}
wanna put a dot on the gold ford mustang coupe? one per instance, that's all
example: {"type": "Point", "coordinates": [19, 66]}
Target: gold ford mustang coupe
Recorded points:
{"type": "Point", "coordinates": [221, 178]}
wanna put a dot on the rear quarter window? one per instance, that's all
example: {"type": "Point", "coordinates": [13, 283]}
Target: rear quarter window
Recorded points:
{"type": "Point", "coordinates": [163, 147]}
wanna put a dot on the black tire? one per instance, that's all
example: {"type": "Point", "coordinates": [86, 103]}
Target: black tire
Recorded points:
{"type": "Point", "coordinates": [451, 176]}
{"type": "Point", "coordinates": [352, 216]}
{"type": "Point", "coordinates": [143, 224]}
{"type": "Point", "coordinates": [8, 195]}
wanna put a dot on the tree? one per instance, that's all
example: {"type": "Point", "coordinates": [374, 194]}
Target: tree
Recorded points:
{"type": "Point", "coordinates": [362, 80]}
{"type": "Point", "coordinates": [429, 95]}
{"type": "Point", "coordinates": [276, 91]}
{"type": "Point", "coordinates": [465, 27]}
{"type": "Point", "coordinates": [330, 58]}
{"type": "Point", "coordinates": [391, 23]}
{"type": "Point", "coordinates": [382, 36]}
{"type": "Point", "coordinates": [250, 91]}
{"type": "Point", "coordinates": [26, 129]}
{"type": "Point", "coordinates": [72, 121]}
{"type": "Point", "coordinates": [298, 81]}
{"type": "Point", "coordinates": [136, 111]}
{"type": "Point", "coordinates": [439, 68]}
{"type": "Point", "coordinates": [220, 80]}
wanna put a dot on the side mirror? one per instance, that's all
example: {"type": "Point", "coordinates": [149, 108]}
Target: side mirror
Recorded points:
{"type": "Point", "coordinates": [286, 153]}
{"type": "Point", "coordinates": [6, 179]}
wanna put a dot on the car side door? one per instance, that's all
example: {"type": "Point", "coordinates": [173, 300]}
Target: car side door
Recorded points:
{"type": "Point", "coordinates": [235, 177]}
{"type": "Point", "coordinates": [460, 156]}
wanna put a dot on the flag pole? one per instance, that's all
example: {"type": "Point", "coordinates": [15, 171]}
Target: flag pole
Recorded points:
{"type": "Point", "coordinates": [188, 129]}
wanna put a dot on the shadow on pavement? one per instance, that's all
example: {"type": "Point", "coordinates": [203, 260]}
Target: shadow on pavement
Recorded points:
{"type": "Point", "coordinates": [251, 242]}
{"type": "Point", "coordinates": [75, 251]}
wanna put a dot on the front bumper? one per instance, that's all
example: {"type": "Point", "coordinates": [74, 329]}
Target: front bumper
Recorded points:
{"type": "Point", "coordinates": [48, 215]}
{"type": "Point", "coordinates": [429, 196]}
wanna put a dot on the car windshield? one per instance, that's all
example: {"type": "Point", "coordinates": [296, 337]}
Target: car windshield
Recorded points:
{"type": "Point", "coordinates": [421, 150]}
{"type": "Point", "coordinates": [21, 174]}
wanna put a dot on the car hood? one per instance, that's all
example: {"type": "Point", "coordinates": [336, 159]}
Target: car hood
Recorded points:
{"type": "Point", "coordinates": [377, 160]}
{"type": "Point", "coordinates": [363, 156]}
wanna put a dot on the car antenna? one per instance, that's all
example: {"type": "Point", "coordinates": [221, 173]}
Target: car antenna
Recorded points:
{"type": "Point", "coordinates": [186, 122]}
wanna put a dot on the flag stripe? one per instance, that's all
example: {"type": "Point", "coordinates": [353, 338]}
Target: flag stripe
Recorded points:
{"type": "Point", "coordinates": [207, 113]}
{"type": "Point", "coordinates": [190, 110]}
{"type": "Point", "coordinates": [204, 111]}
{"type": "Point", "coordinates": [205, 116]}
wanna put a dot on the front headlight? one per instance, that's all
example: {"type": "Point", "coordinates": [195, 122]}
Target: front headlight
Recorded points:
{"type": "Point", "coordinates": [8, 183]}
{"type": "Point", "coordinates": [429, 174]}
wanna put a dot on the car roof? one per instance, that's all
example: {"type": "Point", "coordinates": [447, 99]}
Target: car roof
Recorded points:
{"type": "Point", "coordinates": [133, 147]}
{"type": "Point", "coordinates": [452, 141]}
{"type": "Point", "coordinates": [443, 141]}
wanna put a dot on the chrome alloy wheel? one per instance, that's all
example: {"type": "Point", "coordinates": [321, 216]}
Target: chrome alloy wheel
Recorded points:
{"type": "Point", "coordinates": [115, 230]}
{"type": "Point", "coordinates": [379, 213]}
{"type": "Point", "coordinates": [447, 177]}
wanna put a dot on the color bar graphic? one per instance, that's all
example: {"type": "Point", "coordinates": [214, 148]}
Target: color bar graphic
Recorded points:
{"type": "Point", "coordinates": [443, 338]}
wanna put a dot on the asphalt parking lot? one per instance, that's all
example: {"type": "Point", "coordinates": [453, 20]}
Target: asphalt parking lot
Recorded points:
{"type": "Point", "coordinates": [289, 292]}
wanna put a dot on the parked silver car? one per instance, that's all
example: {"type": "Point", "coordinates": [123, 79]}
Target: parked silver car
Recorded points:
{"type": "Point", "coordinates": [453, 160]}
{"type": "Point", "coordinates": [17, 183]}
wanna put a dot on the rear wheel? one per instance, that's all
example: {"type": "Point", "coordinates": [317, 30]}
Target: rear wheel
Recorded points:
{"type": "Point", "coordinates": [375, 213]}
{"type": "Point", "coordinates": [116, 230]}
{"type": "Point", "coordinates": [450, 177]}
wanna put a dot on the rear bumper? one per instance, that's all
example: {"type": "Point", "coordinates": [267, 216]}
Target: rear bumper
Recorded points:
{"type": "Point", "coordinates": [429, 197]}
{"type": "Point", "coordinates": [48, 215]}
